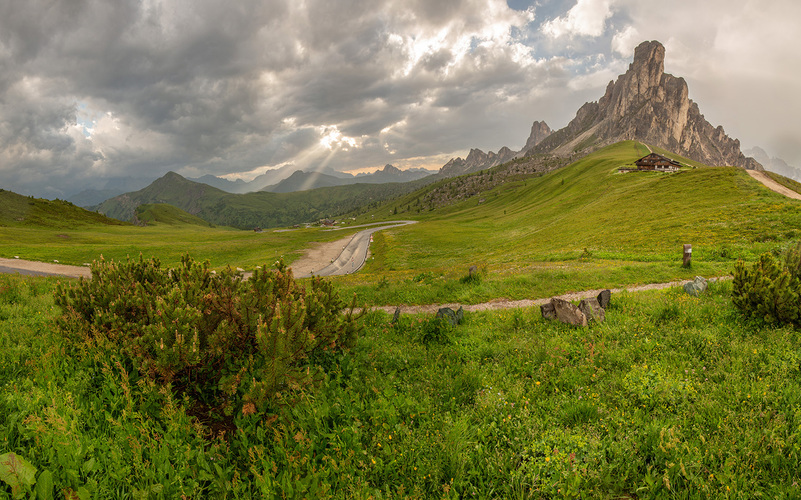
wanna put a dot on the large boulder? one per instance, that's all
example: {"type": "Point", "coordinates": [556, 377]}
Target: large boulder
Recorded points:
{"type": "Point", "coordinates": [696, 287]}
{"type": "Point", "coordinates": [568, 313]}
{"type": "Point", "coordinates": [592, 310]}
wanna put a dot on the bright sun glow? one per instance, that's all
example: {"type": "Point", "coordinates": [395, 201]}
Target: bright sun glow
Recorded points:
{"type": "Point", "coordinates": [333, 139]}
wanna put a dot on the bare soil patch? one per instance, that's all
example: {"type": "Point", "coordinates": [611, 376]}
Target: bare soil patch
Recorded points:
{"type": "Point", "coordinates": [47, 268]}
{"type": "Point", "coordinates": [318, 256]}
{"type": "Point", "coordinates": [773, 185]}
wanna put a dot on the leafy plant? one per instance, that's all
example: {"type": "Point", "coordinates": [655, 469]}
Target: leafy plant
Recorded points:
{"type": "Point", "coordinates": [17, 473]}
{"type": "Point", "coordinates": [228, 343]}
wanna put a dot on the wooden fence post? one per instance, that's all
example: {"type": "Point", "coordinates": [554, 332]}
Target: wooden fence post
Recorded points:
{"type": "Point", "coordinates": [688, 255]}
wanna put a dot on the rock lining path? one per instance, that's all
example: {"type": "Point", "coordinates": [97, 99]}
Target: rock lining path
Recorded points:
{"type": "Point", "coordinates": [498, 304]}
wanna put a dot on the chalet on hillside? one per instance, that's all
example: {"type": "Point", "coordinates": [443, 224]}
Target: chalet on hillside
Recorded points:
{"type": "Point", "coordinates": [658, 163]}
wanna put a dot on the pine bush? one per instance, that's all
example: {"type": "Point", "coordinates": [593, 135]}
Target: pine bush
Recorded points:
{"type": "Point", "coordinates": [229, 344]}
{"type": "Point", "coordinates": [771, 289]}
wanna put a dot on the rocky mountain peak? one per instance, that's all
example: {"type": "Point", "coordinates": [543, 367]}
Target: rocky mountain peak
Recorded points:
{"type": "Point", "coordinates": [648, 105]}
{"type": "Point", "coordinates": [539, 131]}
{"type": "Point", "coordinates": [648, 65]}
{"type": "Point", "coordinates": [391, 169]}
{"type": "Point", "coordinates": [476, 160]}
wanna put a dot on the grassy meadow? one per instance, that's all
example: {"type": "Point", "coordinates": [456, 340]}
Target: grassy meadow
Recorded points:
{"type": "Point", "coordinates": [584, 226]}
{"type": "Point", "coordinates": [671, 397]}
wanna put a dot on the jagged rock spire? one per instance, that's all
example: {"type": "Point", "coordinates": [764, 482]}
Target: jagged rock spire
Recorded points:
{"type": "Point", "coordinates": [651, 106]}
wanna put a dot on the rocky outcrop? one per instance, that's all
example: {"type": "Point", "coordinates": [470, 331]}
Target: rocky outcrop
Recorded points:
{"type": "Point", "coordinates": [648, 105]}
{"type": "Point", "coordinates": [539, 131]}
{"type": "Point", "coordinates": [476, 160]}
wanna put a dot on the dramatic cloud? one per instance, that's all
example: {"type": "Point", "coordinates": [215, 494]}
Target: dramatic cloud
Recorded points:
{"type": "Point", "coordinates": [587, 18]}
{"type": "Point", "coordinates": [92, 90]}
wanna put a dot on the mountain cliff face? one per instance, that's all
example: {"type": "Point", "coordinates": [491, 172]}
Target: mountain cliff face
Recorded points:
{"type": "Point", "coordinates": [648, 105]}
{"type": "Point", "coordinates": [476, 160]}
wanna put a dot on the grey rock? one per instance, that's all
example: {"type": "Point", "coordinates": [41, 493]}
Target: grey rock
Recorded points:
{"type": "Point", "coordinates": [472, 271]}
{"type": "Point", "coordinates": [396, 316]}
{"type": "Point", "coordinates": [548, 311]}
{"type": "Point", "coordinates": [696, 287]}
{"type": "Point", "coordinates": [592, 310]}
{"type": "Point", "coordinates": [604, 297]}
{"type": "Point", "coordinates": [568, 313]}
{"type": "Point", "coordinates": [453, 317]}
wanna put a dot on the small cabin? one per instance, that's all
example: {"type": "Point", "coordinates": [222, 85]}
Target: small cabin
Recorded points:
{"type": "Point", "coordinates": [657, 163]}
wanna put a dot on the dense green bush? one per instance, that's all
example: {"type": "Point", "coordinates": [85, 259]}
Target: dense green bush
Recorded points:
{"type": "Point", "coordinates": [771, 289]}
{"type": "Point", "coordinates": [228, 343]}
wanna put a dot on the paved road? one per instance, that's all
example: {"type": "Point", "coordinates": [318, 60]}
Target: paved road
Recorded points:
{"type": "Point", "coordinates": [353, 256]}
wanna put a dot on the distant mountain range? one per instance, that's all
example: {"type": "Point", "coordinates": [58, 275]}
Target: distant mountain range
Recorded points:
{"type": "Point", "coordinates": [774, 164]}
{"type": "Point", "coordinates": [304, 181]}
{"type": "Point", "coordinates": [280, 180]}
{"type": "Point", "coordinates": [256, 209]}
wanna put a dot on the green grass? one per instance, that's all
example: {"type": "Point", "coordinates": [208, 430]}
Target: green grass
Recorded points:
{"type": "Point", "coordinates": [672, 396]}
{"type": "Point", "coordinates": [162, 213]}
{"type": "Point", "coordinates": [583, 226]}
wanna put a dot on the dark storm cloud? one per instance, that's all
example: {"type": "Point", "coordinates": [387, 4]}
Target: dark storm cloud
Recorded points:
{"type": "Point", "coordinates": [91, 89]}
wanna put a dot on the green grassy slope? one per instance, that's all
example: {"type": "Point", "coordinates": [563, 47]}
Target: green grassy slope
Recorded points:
{"type": "Point", "coordinates": [587, 226]}
{"type": "Point", "coordinates": [24, 211]}
{"type": "Point", "coordinates": [162, 213]}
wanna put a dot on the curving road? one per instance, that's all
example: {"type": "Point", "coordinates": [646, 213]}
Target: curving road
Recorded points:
{"type": "Point", "coordinates": [353, 256]}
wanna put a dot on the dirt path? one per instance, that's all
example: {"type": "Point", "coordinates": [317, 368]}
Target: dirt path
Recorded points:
{"type": "Point", "coordinates": [323, 252]}
{"type": "Point", "coordinates": [29, 267]}
{"type": "Point", "coordinates": [497, 304]}
{"type": "Point", "coordinates": [773, 185]}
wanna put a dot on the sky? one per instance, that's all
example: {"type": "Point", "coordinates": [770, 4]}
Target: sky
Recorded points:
{"type": "Point", "coordinates": [93, 90]}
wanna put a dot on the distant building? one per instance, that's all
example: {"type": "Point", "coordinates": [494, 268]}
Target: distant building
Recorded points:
{"type": "Point", "coordinates": [658, 163]}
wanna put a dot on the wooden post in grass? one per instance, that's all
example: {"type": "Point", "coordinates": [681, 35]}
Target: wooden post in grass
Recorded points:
{"type": "Point", "coordinates": [688, 255]}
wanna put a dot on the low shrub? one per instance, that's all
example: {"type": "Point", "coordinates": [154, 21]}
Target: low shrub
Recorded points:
{"type": "Point", "coordinates": [229, 344]}
{"type": "Point", "coordinates": [771, 289]}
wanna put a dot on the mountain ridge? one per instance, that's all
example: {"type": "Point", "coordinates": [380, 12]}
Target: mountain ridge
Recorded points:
{"type": "Point", "coordinates": [648, 105]}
